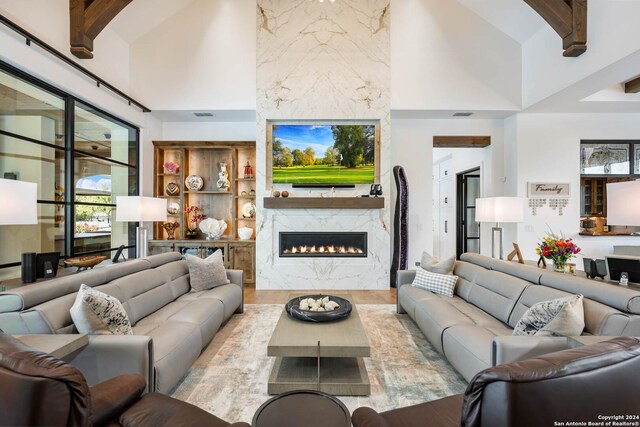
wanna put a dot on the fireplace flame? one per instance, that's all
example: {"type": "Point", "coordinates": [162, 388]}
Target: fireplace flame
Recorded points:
{"type": "Point", "coordinates": [323, 250]}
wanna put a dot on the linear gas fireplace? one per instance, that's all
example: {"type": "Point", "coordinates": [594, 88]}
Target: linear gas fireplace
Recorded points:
{"type": "Point", "coordinates": [321, 244]}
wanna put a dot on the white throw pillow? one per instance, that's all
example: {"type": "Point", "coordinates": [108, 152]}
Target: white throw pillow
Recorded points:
{"type": "Point", "coordinates": [206, 273]}
{"type": "Point", "coordinates": [437, 265]}
{"type": "Point", "coordinates": [561, 317]}
{"type": "Point", "coordinates": [96, 313]}
{"type": "Point", "coordinates": [441, 284]}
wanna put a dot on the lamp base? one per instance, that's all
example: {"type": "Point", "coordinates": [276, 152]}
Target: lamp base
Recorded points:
{"type": "Point", "coordinates": [497, 229]}
{"type": "Point", "coordinates": [142, 242]}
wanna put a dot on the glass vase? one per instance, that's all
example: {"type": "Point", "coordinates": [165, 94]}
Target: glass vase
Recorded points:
{"type": "Point", "coordinates": [559, 265]}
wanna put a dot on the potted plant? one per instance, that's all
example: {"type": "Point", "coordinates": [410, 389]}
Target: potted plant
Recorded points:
{"type": "Point", "coordinates": [193, 216]}
{"type": "Point", "coordinates": [558, 249]}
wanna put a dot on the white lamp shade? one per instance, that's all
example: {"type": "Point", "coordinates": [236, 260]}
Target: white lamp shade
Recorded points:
{"type": "Point", "coordinates": [623, 203]}
{"type": "Point", "coordinates": [140, 208]}
{"type": "Point", "coordinates": [500, 209]}
{"type": "Point", "coordinates": [20, 202]}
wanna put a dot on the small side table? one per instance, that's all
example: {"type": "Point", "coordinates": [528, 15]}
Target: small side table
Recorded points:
{"type": "Point", "coordinates": [307, 408]}
{"type": "Point", "coordinates": [63, 346]}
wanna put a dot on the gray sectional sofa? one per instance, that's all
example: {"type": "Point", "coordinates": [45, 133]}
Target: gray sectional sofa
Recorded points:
{"type": "Point", "coordinates": [473, 329]}
{"type": "Point", "coordinates": [171, 325]}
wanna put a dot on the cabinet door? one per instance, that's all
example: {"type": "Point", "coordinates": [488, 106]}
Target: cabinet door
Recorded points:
{"type": "Point", "coordinates": [243, 258]}
{"type": "Point", "coordinates": [447, 236]}
{"type": "Point", "coordinates": [446, 193]}
{"type": "Point", "coordinates": [156, 248]}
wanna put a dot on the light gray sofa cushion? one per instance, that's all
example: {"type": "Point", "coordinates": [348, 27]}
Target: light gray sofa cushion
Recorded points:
{"type": "Point", "coordinates": [96, 313]}
{"type": "Point", "coordinates": [206, 273]}
{"type": "Point", "coordinates": [437, 265]}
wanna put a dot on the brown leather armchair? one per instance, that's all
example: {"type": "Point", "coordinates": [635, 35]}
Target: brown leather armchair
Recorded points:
{"type": "Point", "coordinates": [582, 384]}
{"type": "Point", "coordinates": [38, 389]}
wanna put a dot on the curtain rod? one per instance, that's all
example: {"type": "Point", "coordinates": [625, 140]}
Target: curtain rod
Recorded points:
{"type": "Point", "coordinates": [30, 38]}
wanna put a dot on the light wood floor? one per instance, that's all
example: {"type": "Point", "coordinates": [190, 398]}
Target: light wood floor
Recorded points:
{"type": "Point", "coordinates": [252, 296]}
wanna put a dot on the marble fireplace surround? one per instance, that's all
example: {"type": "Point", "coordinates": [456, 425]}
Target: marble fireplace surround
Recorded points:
{"type": "Point", "coordinates": [370, 272]}
{"type": "Point", "coordinates": [322, 61]}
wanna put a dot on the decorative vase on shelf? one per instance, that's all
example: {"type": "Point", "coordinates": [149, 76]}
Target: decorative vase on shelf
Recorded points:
{"type": "Point", "coordinates": [213, 228]}
{"type": "Point", "coordinates": [191, 234]}
{"type": "Point", "coordinates": [223, 178]}
{"type": "Point", "coordinates": [170, 228]}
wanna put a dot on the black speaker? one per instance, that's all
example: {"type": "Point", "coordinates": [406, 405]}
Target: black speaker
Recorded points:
{"type": "Point", "coordinates": [28, 267]}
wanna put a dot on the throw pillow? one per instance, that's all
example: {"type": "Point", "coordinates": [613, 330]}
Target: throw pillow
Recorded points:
{"type": "Point", "coordinates": [206, 273]}
{"type": "Point", "coordinates": [441, 284]}
{"type": "Point", "coordinates": [97, 313]}
{"type": "Point", "coordinates": [561, 317]}
{"type": "Point", "coordinates": [436, 265]}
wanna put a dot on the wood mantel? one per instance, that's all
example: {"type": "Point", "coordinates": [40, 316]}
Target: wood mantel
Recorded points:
{"type": "Point", "coordinates": [324, 202]}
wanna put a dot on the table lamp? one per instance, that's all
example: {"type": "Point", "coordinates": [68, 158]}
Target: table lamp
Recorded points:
{"type": "Point", "coordinates": [21, 208]}
{"type": "Point", "coordinates": [499, 210]}
{"type": "Point", "coordinates": [623, 203]}
{"type": "Point", "coordinates": [140, 209]}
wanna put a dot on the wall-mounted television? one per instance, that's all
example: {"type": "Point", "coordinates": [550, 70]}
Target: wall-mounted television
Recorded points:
{"type": "Point", "coordinates": [327, 154]}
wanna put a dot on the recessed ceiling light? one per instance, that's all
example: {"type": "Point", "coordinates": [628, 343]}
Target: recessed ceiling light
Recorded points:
{"type": "Point", "coordinates": [462, 114]}
{"type": "Point", "coordinates": [203, 114]}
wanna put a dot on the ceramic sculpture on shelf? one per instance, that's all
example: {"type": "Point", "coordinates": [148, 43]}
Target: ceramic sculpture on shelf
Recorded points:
{"type": "Point", "coordinates": [223, 178]}
{"type": "Point", "coordinates": [213, 228]}
{"type": "Point", "coordinates": [245, 233]}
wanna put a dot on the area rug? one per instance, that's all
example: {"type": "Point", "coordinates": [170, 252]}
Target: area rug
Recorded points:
{"type": "Point", "coordinates": [230, 378]}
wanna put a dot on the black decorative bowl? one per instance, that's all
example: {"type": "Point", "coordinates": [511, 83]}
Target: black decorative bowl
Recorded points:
{"type": "Point", "coordinates": [344, 311]}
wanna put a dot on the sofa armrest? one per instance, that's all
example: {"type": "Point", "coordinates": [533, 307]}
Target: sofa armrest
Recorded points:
{"type": "Point", "coordinates": [404, 277]}
{"type": "Point", "coordinates": [237, 277]}
{"type": "Point", "coordinates": [108, 356]}
{"type": "Point", "coordinates": [507, 349]}
{"type": "Point", "coordinates": [110, 398]}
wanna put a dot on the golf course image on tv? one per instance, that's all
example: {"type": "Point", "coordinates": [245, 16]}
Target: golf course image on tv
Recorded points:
{"type": "Point", "coordinates": [323, 154]}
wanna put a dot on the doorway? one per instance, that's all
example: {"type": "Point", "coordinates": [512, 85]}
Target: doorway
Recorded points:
{"type": "Point", "coordinates": [467, 230]}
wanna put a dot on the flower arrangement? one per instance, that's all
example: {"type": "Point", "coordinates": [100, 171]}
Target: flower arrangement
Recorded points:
{"type": "Point", "coordinates": [194, 216]}
{"type": "Point", "coordinates": [557, 248]}
{"type": "Point", "coordinates": [171, 167]}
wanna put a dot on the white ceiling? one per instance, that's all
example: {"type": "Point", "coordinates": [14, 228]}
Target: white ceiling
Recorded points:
{"type": "Point", "coordinates": [513, 17]}
{"type": "Point", "coordinates": [141, 16]}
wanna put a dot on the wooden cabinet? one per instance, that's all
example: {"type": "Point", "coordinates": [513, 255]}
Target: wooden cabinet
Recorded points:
{"type": "Point", "coordinates": [243, 257]}
{"type": "Point", "coordinates": [235, 204]}
{"type": "Point", "coordinates": [593, 197]}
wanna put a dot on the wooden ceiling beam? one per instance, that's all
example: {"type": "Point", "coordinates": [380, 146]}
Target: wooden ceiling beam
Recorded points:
{"type": "Point", "coordinates": [87, 19]}
{"type": "Point", "coordinates": [461, 141]}
{"type": "Point", "coordinates": [632, 86]}
{"type": "Point", "coordinates": [568, 18]}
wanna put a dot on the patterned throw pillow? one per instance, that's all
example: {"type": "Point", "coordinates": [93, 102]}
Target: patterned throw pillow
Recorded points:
{"type": "Point", "coordinates": [436, 265]}
{"type": "Point", "coordinates": [206, 273]}
{"type": "Point", "coordinates": [441, 284]}
{"type": "Point", "coordinates": [96, 313]}
{"type": "Point", "coordinates": [561, 317]}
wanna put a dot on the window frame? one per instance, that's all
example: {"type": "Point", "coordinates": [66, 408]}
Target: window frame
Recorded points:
{"type": "Point", "coordinates": [68, 148]}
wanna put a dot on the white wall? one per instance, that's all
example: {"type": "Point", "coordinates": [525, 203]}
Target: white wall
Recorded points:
{"type": "Point", "coordinates": [445, 57]}
{"type": "Point", "coordinates": [548, 150]}
{"type": "Point", "coordinates": [203, 57]}
{"type": "Point", "coordinates": [412, 148]}
{"type": "Point", "coordinates": [209, 131]}
{"type": "Point", "coordinates": [612, 34]}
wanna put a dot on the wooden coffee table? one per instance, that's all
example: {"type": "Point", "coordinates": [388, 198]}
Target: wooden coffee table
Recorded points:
{"type": "Point", "coordinates": [325, 356]}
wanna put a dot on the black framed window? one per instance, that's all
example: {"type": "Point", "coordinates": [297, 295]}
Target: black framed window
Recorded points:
{"type": "Point", "coordinates": [80, 157]}
{"type": "Point", "coordinates": [603, 158]}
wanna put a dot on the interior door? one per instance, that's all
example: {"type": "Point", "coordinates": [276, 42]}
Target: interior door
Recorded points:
{"type": "Point", "coordinates": [467, 230]}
